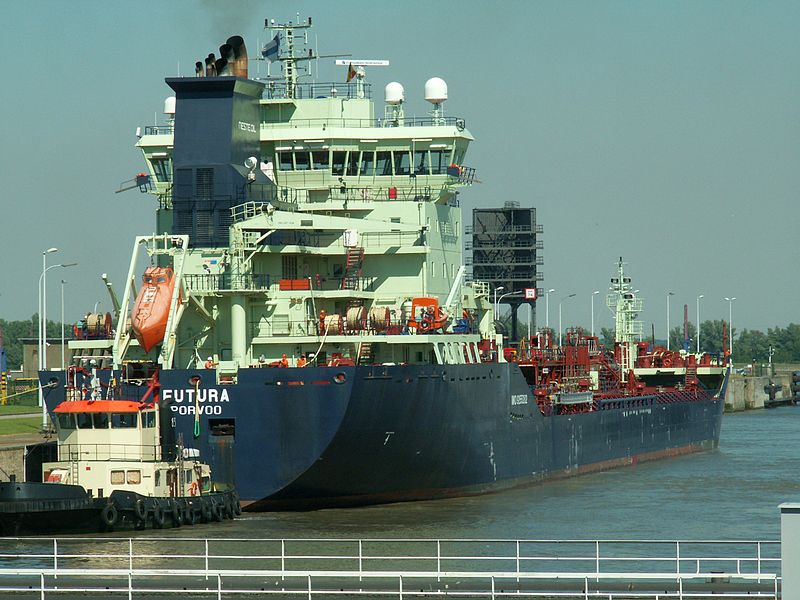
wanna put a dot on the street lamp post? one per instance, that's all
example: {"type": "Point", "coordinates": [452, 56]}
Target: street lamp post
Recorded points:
{"type": "Point", "coordinates": [560, 328]}
{"type": "Point", "coordinates": [594, 293]}
{"type": "Point", "coordinates": [730, 325]}
{"type": "Point", "coordinates": [496, 312]}
{"type": "Point", "coordinates": [43, 332]}
{"type": "Point", "coordinates": [43, 318]}
{"type": "Point", "coordinates": [668, 295]}
{"type": "Point", "coordinates": [698, 322]}
{"type": "Point", "coordinates": [547, 307]}
{"type": "Point", "coordinates": [62, 323]}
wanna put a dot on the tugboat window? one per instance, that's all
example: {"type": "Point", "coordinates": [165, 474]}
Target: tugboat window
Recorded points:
{"type": "Point", "coordinates": [149, 419]}
{"type": "Point", "coordinates": [123, 420]}
{"type": "Point", "coordinates": [65, 421]}
{"type": "Point", "coordinates": [134, 477]}
{"type": "Point", "coordinates": [84, 421]}
{"type": "Point", "coordinates": [100, 420]}
{"type": "Point", "coordinates": [117, 477]}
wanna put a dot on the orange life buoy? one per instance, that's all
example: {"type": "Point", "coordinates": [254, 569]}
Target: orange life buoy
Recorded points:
{"type": "Point", "coordinates": [667, 362]}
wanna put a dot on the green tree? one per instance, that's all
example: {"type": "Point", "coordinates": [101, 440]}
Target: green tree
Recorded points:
{"type": "Point", "coordinates": [751, 345]}
{"type": "Point", "coordinates": [676, 337]}
{"type": "Point", "coordinates": [607, 337]}
{"type": "Point", "coordinates": [711, 337]}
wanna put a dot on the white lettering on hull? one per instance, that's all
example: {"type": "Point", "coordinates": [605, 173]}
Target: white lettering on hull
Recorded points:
{"type": "Point", "coordinates": [203, 401]}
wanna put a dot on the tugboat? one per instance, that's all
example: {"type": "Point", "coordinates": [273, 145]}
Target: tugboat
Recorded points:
{"type": "Point", "coordinates": [114, 469]}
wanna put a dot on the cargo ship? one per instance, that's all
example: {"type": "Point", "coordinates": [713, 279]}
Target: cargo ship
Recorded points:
{"type": "Point", "coordinates": [305, 312]}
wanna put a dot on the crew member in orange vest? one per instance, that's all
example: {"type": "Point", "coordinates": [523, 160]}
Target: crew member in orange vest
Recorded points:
{"type": "Point", "coordinates": [301, 362]}
{"type": "Point", "coordinates": [210, 364]}
{"type": "Point", "coordinates": [322, 321]}
{"type": "Point", "coordinates": [284, 361]}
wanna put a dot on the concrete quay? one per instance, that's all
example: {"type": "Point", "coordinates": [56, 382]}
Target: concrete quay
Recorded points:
{"type": "Point", "coordinates": [747, 392]}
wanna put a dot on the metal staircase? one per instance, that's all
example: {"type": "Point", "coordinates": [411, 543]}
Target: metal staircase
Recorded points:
{"type": "Point", "coordinates": [353, 263]}
{"type": "Point", "coordinates": [366, 353]}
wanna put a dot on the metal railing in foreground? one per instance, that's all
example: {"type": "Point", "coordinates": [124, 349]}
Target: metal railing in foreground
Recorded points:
{"type": "Point", "coordinates": [394, 568]}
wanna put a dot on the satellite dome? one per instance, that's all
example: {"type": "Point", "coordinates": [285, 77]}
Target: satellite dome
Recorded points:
{"type": "Point", "coordinates": [394, 93]}
{"type": "Point", "coordinates": [435, 90]}
{"type": "Point", "coordinates": [169, 105]}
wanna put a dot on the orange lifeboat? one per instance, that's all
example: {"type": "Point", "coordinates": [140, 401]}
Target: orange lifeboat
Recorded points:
{"type": "Point", "coordinates": [150, 313]}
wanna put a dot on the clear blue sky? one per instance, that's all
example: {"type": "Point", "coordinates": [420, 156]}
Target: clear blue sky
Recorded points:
{"type": "Point", "coordinates": [665, 132]}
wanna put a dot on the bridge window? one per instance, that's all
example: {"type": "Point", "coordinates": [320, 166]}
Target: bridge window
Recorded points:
{"type": "Point", "coordinates": [84, 420]}
{"type": "Point", "coordinates": [421, 162]}
{"type": "Point", "coordinates": [319, 159]}
{"type": "Point", "coordinates": [337, 166]}
{"type": "Point", "coordinates": [65, 421]}
{"type": "Point", "coordinates": [401, 162]}
{"type": "Point", "coordinates": [383, 163]}
{"type": "Point", "coordinates": [440, 160]}
{"type": "Point", "coordinates": [162, 169]}
{"type": "Point", "coordinates": [302, 160]}
{"type": "Point", "coordinates": [100, 420]}
{"type": "Point", "coordinates": [285, 161]}
{"type": "Point", "coordinates": [367, 164]}
{"type": "Point", "coordinates": [123, 420]}
{"type": "Point", "coordinates": [352, 162]}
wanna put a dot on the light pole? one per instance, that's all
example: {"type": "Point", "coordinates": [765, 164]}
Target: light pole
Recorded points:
{"type": "Point", "coordinates": [560, 328]}
{"type": "Point", "coordinates": [668, 295]}
{"type": "Point", "coordinates": [497, 289]}
{"type": "Point", "coordinates": [43, 334]}
{"type": "Point", "coordinates": [547, 307]}
{"type": "Point", "coordinates": [62, 323]}
{"type": "Point", "coordinates": [594, 293]}
{"type": "Point", "coordinates": [42, 322]}
{"type": "Point", "coordinates": [730, 325]}
{"type": "Point", "coordinates": [698, 322]}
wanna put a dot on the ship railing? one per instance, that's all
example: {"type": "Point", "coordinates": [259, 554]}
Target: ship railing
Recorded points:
{"type": "Point", "coordinates": [211, 282]}
{"type": "Point", "coordinates": [316, 89]}
{"type": "Point", "coordinates": [311, 568]}
{"type": "Point", "coordinates": [280, 326]}
{"type": "Point", "coordinates": [166, 129]}
{"type": "Point", "coordinates": [107, 452]}
{"type": "Point", "coordinates": [345, 122]}
{"type": "Point", "coordinates": [255, 240]}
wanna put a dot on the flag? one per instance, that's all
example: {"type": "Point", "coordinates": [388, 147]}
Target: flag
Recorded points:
{"type": "Point", "coordinates": [270, 50]}
{"type": "Point", "coordinates": [351, 72]}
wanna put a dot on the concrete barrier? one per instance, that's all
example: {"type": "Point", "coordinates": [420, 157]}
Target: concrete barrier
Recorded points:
{"type": "Point", "coordinates": [747, 393]}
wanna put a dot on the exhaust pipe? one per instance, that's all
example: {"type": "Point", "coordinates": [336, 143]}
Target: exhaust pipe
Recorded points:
{"type": "Point", "coordinates": [211, 70]}
{"type": "Point", "coordinates": [222, 68]}
{"type": "Point", "coordinates": [236, 42]}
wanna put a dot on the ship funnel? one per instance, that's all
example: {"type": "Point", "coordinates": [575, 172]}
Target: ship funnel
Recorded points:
{"type": "Point", "coordinates": [226, 52]}
{"type": "Point", "coordinates": [211, 70]}
{"type": "Point", "coordinates": [236, 42]}
{"type": "Point", "coordinates": [222, 67]}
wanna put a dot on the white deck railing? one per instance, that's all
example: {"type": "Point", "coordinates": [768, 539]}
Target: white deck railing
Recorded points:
{"type": "Point", "coordinates": [396, 568]}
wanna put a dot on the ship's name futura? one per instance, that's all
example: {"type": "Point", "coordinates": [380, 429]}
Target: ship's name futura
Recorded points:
{"type": "Point", "coordinates": [188, 394]}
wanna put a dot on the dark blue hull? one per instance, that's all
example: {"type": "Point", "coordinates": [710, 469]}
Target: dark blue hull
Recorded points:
{"type": "Point", "coordinates": [304, 438]}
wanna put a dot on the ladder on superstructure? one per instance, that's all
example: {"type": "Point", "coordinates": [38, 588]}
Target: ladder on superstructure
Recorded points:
{"type": "Point", "coordinates": [353, 263]}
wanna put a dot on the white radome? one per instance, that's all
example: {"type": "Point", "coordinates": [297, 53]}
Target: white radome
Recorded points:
{"type": "Point", "coordinates": [169, 105]}
{"type": "Point", "coordinates": [394, 93]}
{"type": "Point", "coordinates": [435, 90]}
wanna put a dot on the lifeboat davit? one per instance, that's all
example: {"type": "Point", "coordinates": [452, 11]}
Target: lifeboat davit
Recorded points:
{"type": "Point", "coordinates": [151, 311]}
